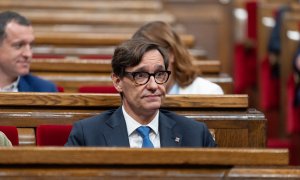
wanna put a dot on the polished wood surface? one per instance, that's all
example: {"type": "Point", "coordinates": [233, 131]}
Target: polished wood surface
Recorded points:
{"type": "Point", "coordinates": [90, 38]}
{"type": "Point", "coordinates": [101, 65]}
{"type": "Point", "coordinates": [138, 156]}
{"type": "Point", "coordinates": [164, 163]}
{"type": "Point", "coordinates": [86, 101]}
{"type": "Point", "coordinates": [228, 117]}
{"type": "Point", "coordinates": [72, 73]}
{"type": "Point", "coordinates": [90, 5]}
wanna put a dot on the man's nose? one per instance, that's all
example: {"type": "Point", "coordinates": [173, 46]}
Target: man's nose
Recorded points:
{"type": "Point", "coordinates": [27, 51]}
{"type": "Point", "coordinates": [152, 84]}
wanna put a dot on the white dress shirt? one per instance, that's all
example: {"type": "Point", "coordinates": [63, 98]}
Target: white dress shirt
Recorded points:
{"type": "Point", "coordinates": [13, 87]}
{"type": "Point", "coordinates": [135, 140]}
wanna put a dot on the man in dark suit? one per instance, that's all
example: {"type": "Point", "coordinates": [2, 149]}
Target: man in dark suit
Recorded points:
{"type": "Point", "coordinates": [16, 38]}
{"type": "Point", "coordinates": [140, 75]}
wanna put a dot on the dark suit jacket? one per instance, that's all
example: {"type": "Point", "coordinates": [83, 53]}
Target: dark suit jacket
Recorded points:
{"type": "Point", "coordinates": [30, 83]}
{"type": "Point", "coordinates": [109, 129]}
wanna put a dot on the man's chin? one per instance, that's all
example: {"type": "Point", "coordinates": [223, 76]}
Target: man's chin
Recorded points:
{"type": "Point", "coordinates": [23, 73]}
{"type": "Point", "coordinates": [153, 106]}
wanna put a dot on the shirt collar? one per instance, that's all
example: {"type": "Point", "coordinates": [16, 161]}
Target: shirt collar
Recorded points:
{"type": "Point", "coordinates": [13, 87]}
{"type": "Point", "coordinates": [132, 124]}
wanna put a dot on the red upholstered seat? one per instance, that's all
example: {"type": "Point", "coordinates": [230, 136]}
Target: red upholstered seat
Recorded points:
{"type": "Point", "coordinates": [269, 87]}
{"type": "Point", "coordinates": [48, 56]}
{"type": "Point", "coordinates": [11, 133]}
{"type": "Point", "coordinates": [293, 112]}
{"type": "Point", "coordinates": [245, 55]}
{"type": "Point", "coordinates": [101, 56]}
{"type": "Point", "coordinates": [52, 135]}
{"type": "Point", "coordinates": [97, 89]}
{"type": "Point", "coordinates": [60, 89]}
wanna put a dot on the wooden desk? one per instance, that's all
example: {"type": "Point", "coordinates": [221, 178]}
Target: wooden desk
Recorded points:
{"type": "Point", "coordinates": [94, 51]}
{"type": "Point", "coordinates": [89, 5]}
{"type": "Point", "coordinates": [58, 16]}
{"type": "Point", "coordinates": [289, 44]}
{"type": "Point", "coordinates": [102, 65]}
{"type": "Point", "coordinates": [72, 73]}
{"type": "Point", "coordinates": [228, 116]}
{"type": "Point", "coordinates": [116, 163]}
{"type": "Point", "coordinates": [90, 39]}
{"type": "Point", "coordinates": [72, 81]}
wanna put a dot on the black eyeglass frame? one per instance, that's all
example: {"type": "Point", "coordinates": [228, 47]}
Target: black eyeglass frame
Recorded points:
{"type": "Point", "coordinates": [134, 74]}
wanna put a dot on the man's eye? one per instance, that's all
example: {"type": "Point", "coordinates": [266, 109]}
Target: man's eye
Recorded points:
{"type": "Point", "coordinates": [141, 75]}
{"type": "Point", "coordinates": [18, 45]}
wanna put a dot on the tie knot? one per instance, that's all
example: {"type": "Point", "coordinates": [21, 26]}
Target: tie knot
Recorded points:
{"type": "Point", "coordinates": [143, 131]}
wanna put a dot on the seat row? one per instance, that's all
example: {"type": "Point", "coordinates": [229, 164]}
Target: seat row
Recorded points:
{"type": "Point", "coordinates": [46, 135]}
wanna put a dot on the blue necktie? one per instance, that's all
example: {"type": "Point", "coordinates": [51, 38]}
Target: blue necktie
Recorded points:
{"type": "Point", "coordinates": [144, 132]}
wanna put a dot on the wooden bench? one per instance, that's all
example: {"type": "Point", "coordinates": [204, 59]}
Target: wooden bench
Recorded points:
{"type": "Point", "coordinates": [228, 116]}
{"type": "Point", "coordinates": [290, 38]}
{"type": "Point", "coordinates": [89, 5]}
{"type": "Point", "coordinates": [265, 24]}
{"type": "Point", "coordinates": [102, 65]}
{"type": "Point", "coordinates": [43, 51]}
{"type": "Point", "coordinates": [91, 39]}
{"type": "Point", "coordinates": [72, 73]}
{"type": "Point", "coordinates": [57, 16]}
{"type": "Point", "coordinates": [125, 163]}
{"type": "Point", "coordinates": [72, 81]}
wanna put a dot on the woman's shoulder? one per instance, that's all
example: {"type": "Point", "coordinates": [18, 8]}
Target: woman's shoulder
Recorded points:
{"type": "Point", "coordinates": [202, 86]}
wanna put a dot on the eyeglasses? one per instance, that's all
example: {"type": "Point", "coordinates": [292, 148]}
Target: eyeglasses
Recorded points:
{"type": "Point", "coordinates": [142, 78]}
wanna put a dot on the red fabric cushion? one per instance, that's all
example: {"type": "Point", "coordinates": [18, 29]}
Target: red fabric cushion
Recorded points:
{"type": "Point", "coordinates": [60, 89]}
{"type": "Point", "coordinates": [52, 135]}
{"type": "Point", "coordinates": [103, 56]}
{"type": "Point", "coordinates": [11, 133]}
{"type": "Point", "coordinates": [251, 8]}
{"type": "Point", "coordinates": [293, 113]}
{"type": "Point", "coordinates": [269, 87]}
{"type": "Point", "coordinates": [244, 68]}
{"type": "Point", "coordinates": [97, 89]}
{"type": "Point", "coordinates": [279, 143]}
{"type": "Point", "coordinates": [56, 56]}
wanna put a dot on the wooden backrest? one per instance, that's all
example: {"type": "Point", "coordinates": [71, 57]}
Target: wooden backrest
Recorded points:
{"type": "Point", "coordinates": [61, 16]}
{"type": "Point", "coordinates": [290, 39]}
{"type": "Point", "coordinates": [88, 5]}
{"type": "Point", "coordinates": [72, 73]}
{"type": "Point", "coordinates": [90, 38]}
{"type": "Point", "coordinates": [228, 116]}
{"type": "Point", "coordinates": [72, 81]}
{"type": "Point", "coordinates": [101, 65]}
{"type": "Point", "coordinates": [125, 163]}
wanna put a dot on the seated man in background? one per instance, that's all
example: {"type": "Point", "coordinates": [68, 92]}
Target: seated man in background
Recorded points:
{"type": "Point", "coordinates": [4, 141]}
{"type": "Point", "coordinates": [16, 38]}
{"type": "Point", "coordinates": [140, 75]}
{"type": "Point", "coordinates": [185, 77]}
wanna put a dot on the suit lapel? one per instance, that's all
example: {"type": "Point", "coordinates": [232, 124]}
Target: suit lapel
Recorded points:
{"type": "Point", "coordinates": [168, 135]}
{"type": "Point", "coordinates": [23, 86]}
{"type": "Point", "coordinates": [116, 135]}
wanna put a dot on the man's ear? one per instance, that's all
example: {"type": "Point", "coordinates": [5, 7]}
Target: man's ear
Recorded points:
{"type": "Point", "coordinates": [117, 82]}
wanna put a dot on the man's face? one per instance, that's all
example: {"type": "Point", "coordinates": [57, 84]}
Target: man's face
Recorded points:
{"type": "Point", "coordinates": [15, 50]}
{"type": "Point", "coordinates": [147, 98]}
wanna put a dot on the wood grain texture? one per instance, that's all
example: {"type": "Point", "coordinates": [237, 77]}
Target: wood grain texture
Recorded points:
{"type": "Point", "coordinates": [127, 156]}
{"type": "Point", "coordinates": [90, 5]}
{"type": "Point", "coordinates": [101, 65]}
{"type": "Point", "coordinates": [91, 38]}
{"type": "Point", "coordinates": [125, 163]}
{"type": "Point", "coordinates": [114, 100]}
{"type": "Point", "coordinates": [233, 123]}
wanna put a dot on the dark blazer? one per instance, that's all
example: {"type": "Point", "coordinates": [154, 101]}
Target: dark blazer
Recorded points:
{"type": "Point", "coordinates": [109, 129]}
{"type": "Point", "coordinates": [30, 83]}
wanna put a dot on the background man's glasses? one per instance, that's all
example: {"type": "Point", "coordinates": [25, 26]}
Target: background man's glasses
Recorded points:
{"type": "Point", "coordinates": [142, 78]}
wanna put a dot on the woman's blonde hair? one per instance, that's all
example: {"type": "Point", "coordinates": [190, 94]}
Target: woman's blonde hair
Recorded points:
{"type": "Point", "coordinates": [184, 72]}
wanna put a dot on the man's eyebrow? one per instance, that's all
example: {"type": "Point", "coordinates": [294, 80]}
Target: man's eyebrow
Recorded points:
{"type": "Point", "coordinates": [143, 69]}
